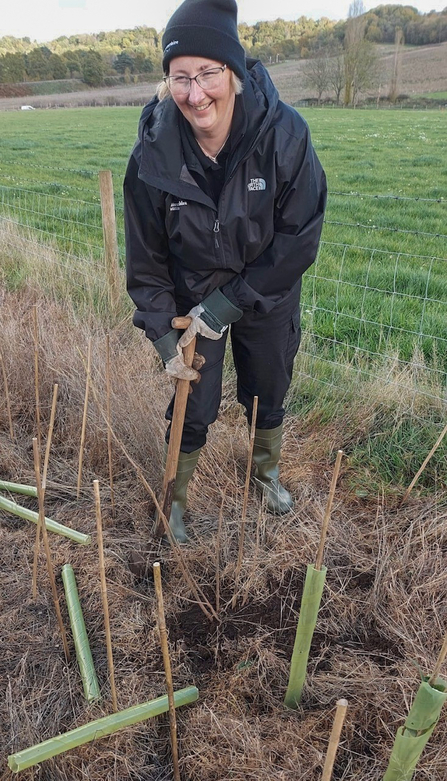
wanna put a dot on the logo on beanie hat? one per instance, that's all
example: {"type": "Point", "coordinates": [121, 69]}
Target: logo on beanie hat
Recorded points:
{"type": "Point", "coordinates": [172, 43]}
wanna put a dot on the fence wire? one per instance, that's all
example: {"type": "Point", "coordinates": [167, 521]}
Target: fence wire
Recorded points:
{"type": "Point", "coordinates": [368, 312]}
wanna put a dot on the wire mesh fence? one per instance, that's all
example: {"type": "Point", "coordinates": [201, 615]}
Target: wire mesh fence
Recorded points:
{"type": "Point", "coordinates": [373, 305]}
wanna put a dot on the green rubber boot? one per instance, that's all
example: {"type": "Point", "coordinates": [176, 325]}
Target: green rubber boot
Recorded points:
{"type": "Point", "coordinates": [187, 463]}
{"type": "Point", "coordinates": [266, 452]}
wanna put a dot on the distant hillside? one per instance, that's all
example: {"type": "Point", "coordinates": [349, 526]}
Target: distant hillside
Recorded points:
{"type": "Point", "coordinates": [424, 70]}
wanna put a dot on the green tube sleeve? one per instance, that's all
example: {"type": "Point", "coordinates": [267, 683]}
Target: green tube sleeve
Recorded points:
{"type": "Point", "coordinates": [310, 605]}
{"type": "Point", "coordinates": [18, 488]}
{"type": "Point", "coordinates": [53, 526]}
{"type": "Point", "coordinates": [77, 623]}
{"type": "Point", "coordinates": [411, 739]}
{"type": "Point", "coordinates": [99, 728]}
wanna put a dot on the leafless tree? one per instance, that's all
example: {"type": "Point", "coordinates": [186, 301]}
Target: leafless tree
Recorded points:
{"type": "Point", "coordinates": [317, 72]}
{"type": "Point", "coordinates": [360, 60]}
{"type": "Point", "coordinates": [336, 71]}
{"type": "Point", "coordinates": [394, 86]}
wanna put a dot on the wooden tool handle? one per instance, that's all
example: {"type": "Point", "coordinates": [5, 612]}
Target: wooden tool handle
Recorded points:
{"type": "Point", "coordinates": [181, 322]}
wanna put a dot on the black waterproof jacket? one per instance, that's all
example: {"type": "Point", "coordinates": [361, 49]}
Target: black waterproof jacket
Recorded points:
{"type": "Point", "coordinates": [254, 244]}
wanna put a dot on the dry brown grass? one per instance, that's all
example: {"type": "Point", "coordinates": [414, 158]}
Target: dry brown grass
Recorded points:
{"type": "Point", "coordinates": [383, 609]}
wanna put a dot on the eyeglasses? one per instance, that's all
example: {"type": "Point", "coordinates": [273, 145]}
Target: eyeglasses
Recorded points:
{"type": "Point", "coordinates": [207, 80]}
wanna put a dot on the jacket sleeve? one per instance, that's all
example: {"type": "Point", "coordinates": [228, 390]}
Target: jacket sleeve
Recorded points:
{"type": "Point", "coordinates": [298, 220]}
{"type": "Point", "coordinates": [148, 280]}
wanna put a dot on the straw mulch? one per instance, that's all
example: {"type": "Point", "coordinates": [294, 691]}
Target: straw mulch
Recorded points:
{"type": "Point", "coordinates": [383, 611]}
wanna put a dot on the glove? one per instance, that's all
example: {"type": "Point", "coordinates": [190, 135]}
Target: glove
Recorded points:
{"type": "Point", "coordinates": [177, 368]}
{"type": "Point", "coordinates": [198, 326]}
{"type": "Point", "coordinates": [211, 318]}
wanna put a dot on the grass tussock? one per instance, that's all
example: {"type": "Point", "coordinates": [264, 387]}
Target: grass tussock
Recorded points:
{"type": "Point", "coordinates": [383, 611]}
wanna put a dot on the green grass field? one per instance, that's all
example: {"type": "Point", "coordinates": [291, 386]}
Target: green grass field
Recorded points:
{"type": "Point", "coordinates": [374, 305]}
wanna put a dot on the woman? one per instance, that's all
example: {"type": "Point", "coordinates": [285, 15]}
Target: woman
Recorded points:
{"type": "Point", "coordinates": [224, 202]}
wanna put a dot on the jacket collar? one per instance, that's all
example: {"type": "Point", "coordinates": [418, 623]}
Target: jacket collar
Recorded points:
{"type": "Point", "coordinates": [159, 150]}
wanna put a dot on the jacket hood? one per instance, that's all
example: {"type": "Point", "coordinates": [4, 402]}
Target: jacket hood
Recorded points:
{"type": "Point", "coordinates": [159, 152]}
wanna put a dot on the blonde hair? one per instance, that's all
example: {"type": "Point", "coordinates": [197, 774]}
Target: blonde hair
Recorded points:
{"type": "Point", "coordinates": [163, 92]}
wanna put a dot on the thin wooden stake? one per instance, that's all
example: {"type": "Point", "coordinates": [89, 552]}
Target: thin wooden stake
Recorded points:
{"type": "Point", "coordinates": [109, 435]}
{"type": "Point", "coordinates": [334, 740]}
{"type": "Point", "coordinates": [41, 519]}
{"type": "Point", "coordinates": [167, 666]}
{"type": "Point", "coordinates": [8, 406]}
{"type": "Point", "coordinates": [105, 604]}
{"type": "Point", "coordinates": [84, 417]}
{"type": "Point", "coordinates": [218, 538]}
{"type": "Point", "coordinates": [424, 464]}
{"type": "Point", "coordinates": [254, 565]}
{"type": "Point", "coordinates": [439, 662]}
{"type": "Point", "coordinates": [327, 514]}
{"type": "Point", "coordinates": [36, 371]}
{"type": "Point", "coordinates": [47, 548]}
{"type": "Point", "coordinates": [49, 437]}
{"type": "Point", "coordinates": [246, 490]}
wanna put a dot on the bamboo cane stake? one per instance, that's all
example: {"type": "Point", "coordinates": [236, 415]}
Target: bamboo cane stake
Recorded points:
{"type": "Point", "coordinates": [47, 549]}
{"type": "Point", "coordinates": [167, 666]}
{"type": "Point", "coordinates": [109, 436]}
{"type": "Point", "coordinates": [99, 728]}
{"type": "Point", "coordinates": [439, 662]}
{"type": "Point", "coordinates": [84, 417]}
{"type": "Point", "coordinates": [8, 405]}
{"type": "Point", "coordinates": [327, 514]}
{"type": "Point", "coordinates": [246, 490]}
{"type": "Point", "coordinates": [49, 437]}
{"type": "Point", "coordinates": [424, 464]}
{"type": "Point", "coordinates": [201, 599]}
{"type": "Point", "coordinates": [105, 604]}
{"type": "Point", "coordinates": [52, 526]}
{"type": "Point", "coordinates": [334, 740]}
{"type": "Point", "coordinates": [36, 371]}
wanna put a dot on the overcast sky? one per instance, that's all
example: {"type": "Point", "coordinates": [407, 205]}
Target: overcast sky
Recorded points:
{"type": "Point", "coordinates": [43, 20]}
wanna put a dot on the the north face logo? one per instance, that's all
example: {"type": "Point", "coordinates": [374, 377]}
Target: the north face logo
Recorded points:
{"type": "Point", "coordinates": [256, 184]}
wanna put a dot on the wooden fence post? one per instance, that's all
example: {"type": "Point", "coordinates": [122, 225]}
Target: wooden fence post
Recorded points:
{"type": "Point", "coordinates": [109, 233]}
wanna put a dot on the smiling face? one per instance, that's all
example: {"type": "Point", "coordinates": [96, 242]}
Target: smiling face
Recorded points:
{"type": "Point", "coordinates": [209, 112]}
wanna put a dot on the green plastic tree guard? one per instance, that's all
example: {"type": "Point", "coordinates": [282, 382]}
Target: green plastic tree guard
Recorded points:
{"type": "Point", "coordinates": [310, 605]}
{"type": "Point", "coordinates": [83, 652]}
{"type": "Point", "coordinates": [99, 728]}
{"type": "Point", "coordinates": [18, 488]}
{"type": "Point", "coordinates": [53, 526]}
{"type": "Point", "coordinates": [412, 738]}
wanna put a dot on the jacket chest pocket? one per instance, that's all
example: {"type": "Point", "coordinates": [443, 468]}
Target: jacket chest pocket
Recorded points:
{"type": "Point", "coordinates": [191, 236]}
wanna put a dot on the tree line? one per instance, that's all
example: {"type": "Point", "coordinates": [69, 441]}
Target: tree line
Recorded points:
{"type": "Point", "coordinates": [94, 57]}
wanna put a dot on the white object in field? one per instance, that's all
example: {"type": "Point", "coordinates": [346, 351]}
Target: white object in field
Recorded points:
{"type": "Point", "coordinates": [27, 108]}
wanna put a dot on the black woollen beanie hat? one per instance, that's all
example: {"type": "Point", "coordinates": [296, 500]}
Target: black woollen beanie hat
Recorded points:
{"type": "Point", "coordinates": [204, 28]}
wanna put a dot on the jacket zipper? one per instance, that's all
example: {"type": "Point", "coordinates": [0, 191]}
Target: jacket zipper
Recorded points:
{"type": "Point", "coordinates": [216, 230]}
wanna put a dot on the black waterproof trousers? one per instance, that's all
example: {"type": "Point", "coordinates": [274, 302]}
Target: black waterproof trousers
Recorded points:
{"type": "Point", "coordinates": [264, 347]}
